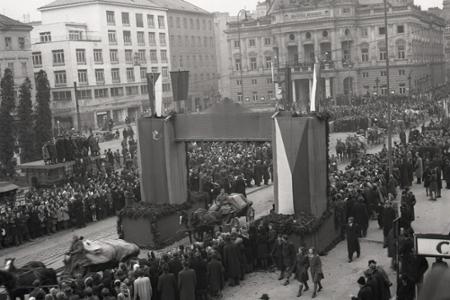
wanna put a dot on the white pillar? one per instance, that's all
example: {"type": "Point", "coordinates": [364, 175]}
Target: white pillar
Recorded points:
{"type": "Point", "coordinates": [294, 96]}
{"type": "Point", "coordinates": [327, 87]}
{"type": "Point", "coordinates": [310, 88]}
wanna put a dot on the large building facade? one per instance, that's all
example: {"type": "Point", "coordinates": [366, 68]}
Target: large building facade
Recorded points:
{"type": "Point", "coordinates": [15, 50]}
{"type": "Point", "coordinates": [106, 48]}
{"type": "Point", "coordinates": [347, 37]}
{"type": "Point", "coordinates": [192, 48]}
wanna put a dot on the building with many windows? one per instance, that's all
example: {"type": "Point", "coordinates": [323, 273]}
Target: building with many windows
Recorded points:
{"type": "Point", "coordinates": [347, 37]}
{"type": "Point", "coordinates": [15, 49]}
{"type": "Point", "coordinates": [192, 48]}
{"type": "Point", "coordinates": [106, 47]}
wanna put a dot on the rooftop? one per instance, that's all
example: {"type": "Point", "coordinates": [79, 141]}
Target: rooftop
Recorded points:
{"type": "Point", "coordinates": [179, 5]}
{"type": "Point", "coordinates": [62, 3]}
{"type": "Point", "coordinates": [7, 23]}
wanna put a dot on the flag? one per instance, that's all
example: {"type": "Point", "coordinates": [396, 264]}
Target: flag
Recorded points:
{"type": "Point", "coordinates": [152, 80]}
{"type": "Point", "coordinates": [158, 97]}
{"type": "Point", "coordinates": [180, 85]}
{"type": "Point", "coordinates": [315, 88]}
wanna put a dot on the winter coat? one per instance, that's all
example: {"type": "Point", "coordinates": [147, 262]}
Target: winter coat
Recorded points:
{"type": "Point", "coordinates": [301, 267]}
{"type": "Point", "coordinates": [231, 260]}
{"type": "Point", "coordinates": [186, 284]}
{"type": "Point", "coordinates": [167, 287]}
{"type": "Point", "coordinates": [215, 272]}
{"type": "Point", "coordinates": [316, 268]}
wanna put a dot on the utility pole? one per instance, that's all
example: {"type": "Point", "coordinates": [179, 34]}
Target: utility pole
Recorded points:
{"type": "Point", "coordinates": [77, 106]}
{"type": "Point", "coordinates": [240, 51]}
{"type": "Point", "coordinates": [388, 92]}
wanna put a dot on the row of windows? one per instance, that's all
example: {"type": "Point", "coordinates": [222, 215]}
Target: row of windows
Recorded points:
{"type": "Point", "coordinates": [137, 57]}
{"type": "Point", "coordinates": [87, 94]}
{"type": "Point", "coordinates": [9, 45]}
{"type": "Point", "coordinates": [401, 72]}
{"type": "Point", "coordinates": [255, 81]}
{"type": "Point", "coordinates": [255, 97]}
{"type": "Point", "coordinates": [190, 23]}
{"type": "Point", "coordinates": [125, 16]}
{"type": "Point", "coordinates": [12, 65]}
{"type": "Point", "coordinates": [252, 42]}
{"type": "Point", "coordinates": [141, 41]}
{"type": "Point", "coordinates": [193, 61]}
{"type": "Point", "coordinates": [192, 41]}
{"type": "Point", "coordinates": [61, 77]}
{"type": "Point", "coordinates": [253, 63]}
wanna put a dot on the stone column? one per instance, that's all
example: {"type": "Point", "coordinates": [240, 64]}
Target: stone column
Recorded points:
{"type": "Point", "coordinates": [327, 87]}
{"type": "Point", "coordinates": [294, 95]}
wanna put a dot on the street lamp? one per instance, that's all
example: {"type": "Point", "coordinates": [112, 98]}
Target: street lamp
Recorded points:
{"type": "Point", "coordinates": [240, 50]}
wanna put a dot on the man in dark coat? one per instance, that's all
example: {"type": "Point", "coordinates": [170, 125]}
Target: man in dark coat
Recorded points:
{"type": "Point", "coordinates": [167, 285]}
{"type": "Point", "coordinates": [187, 282]}
{"type": "Point", "coordinates": [199, 265]}
{"type": "Point", "coordinates": [277, 255]}
{"type": "Point", "coordinates": [406, 289]}
{"type": "Point", "coordinates": [389, 216]}
{"type": "Point", "coordinates": [352, 233]}
{"type": "Point", "coordinates": [231, 261]}
{"type": "Point", "coordinates": [239, 186]}
{"type": "Point", "coordinates": [361, 215]}
{"type": "Point", "coordinates": [365, 291]}
{"type": "Point", "coordinates": [288, 252]}
{"type": "Point", "coordinates": [215, 279]}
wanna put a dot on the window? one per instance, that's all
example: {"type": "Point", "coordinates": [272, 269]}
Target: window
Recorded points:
{"type": "Point", "coordinates": [401, 51]}
{"type": "Point", "coordinates": [365, 74]}
{"type": "Point", "coordinates": [117, 92]}
{"type": "Point", "coordinates": [178, 22]}
{"type": "Point", "coordinates": [191, 22]}
{"type": "Point", "coordinates": [165, 72]}
{"type": "Point", "coordinates": [62, 96]}
{"type": "Point", "coordinates": [365, 54]}
{"type": "Point", "coordinates": [82, 77]}
{"type": "Point", "coordinates": [11, 67]}
{"type": "Point", "coordinates": [269, 81]}
{"type": "Point", "coordinates": [125, 19]}
{"type": "Point", "coordinates": [197, 22]}
{"type": "Point", "coordinates": [140, 38]}
{"type": "Point", "coordinates": [141, 55]}
{"type": "Point", "coordinates": [254, 81]}
{"type": "Point", "coordinates": [132, 90]}
{"type": "Point", "coordinates": [45, 37]}
{"type": "Point", "coordinates": [381, 30]}
{"type": "Point", "coordinates": [144, 90]}
{"type": "Point", "coordinates": [308, 35]}
{"type": "Point", "coordinates": [150, 21]}
{"type": "Point", "coordinates": [166, 87]}
{"type": "Point", "coordinates": [60, 78]}
{"type": "Point", "coordinates": [114, 56]}
{"type": "Point", "coordinates": [115, 76]}
{"type": "Point", "coordinates": [21, 43]}
{"type": "Point", "coordinates": [155, 69]}
{"type": "Point", "coordinates": [162, 39]}
{"type": "Point", "coordinates": [364, 32]}
{"type": "Point", "coordinates": [75, 35]}
{"type": "Point", "coordinates": [58, 57]}
{"type": "Point", "coordinates": [383, 53]}
{"type": "Point", "coordinates": [240, 97]}
{"type": "Point", "coordinates": [37, 59]}
{"type": "Point", "coordinates": [253, 64]}
{"type": "Point", "coordinates": [127, 37]}
{"type": "Point", "coordinates": [98, 56]}
{"type": "Point", "coordinates": [101, 93]}
{"type": "Point", "coordinates": [161, 22]}
{"type": "Point", "coordinates": [112, 37]}
{"type": "Point", "coordinates": [255, 96]}
{"type": "Point", "coordinates": [209, 25]}
{"type": "Point", "coordinates": [346, 10]}
{"type": "Point", "coordinates": [143, 73]}
{"type": "Point", "coordinates": [237, 44]}
{"type": "Point", "coordinates": [110, 18]}
{"type": "Point", "coordinates": [130, 75]}
{"type": "Point", "coordinates": [204, 24]}
{"type": "Point", "coordinates": [24, 68]}
{"type": "Point", "coordinates": [400, 29]}
{"type": "Point", "coordinates": [383, 73]}
{"type": "Point", "coordinates": [268, 62]}
{"type": "Point", "coordinates": [237, 63]}
{"type": "Point", "coordinates": [401, 72]}
{"type": "Point", "coordinates": [325, 34]}
{"type": "Point", "coordinates": [84, 94]}
{"type": "Point", "coordinates": [8, 43]}
{"type": "Point", "coordinates": [402, 89]}
{"type": "Point", "coordinates": [347, 32]}
{"type": "Point", "coordinates": [139, 20]}
{"type": "Point", "coordinates": [81, 56]}
{"type": "Point", "coordinates": [211, 42]}
{"type": "Point", "coordinates": [99, 76]}
{"type": "Point", "coordinates": [151, 39]}
{"type": "Point", "coordinates": [153, 56]}
{"type": "Point", "coordinates": [238, 82]}
{"type": "Point", "coordinates": [129, 56]}
{"type": "Point", "coordinates": [164, 56]}
{"type": "Point", "coordinates": [252, 43]}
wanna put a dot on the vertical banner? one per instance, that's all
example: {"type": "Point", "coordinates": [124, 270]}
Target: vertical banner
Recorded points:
{"type": "Point", "coordinates": [315, 87]}
{"type": "Point", "coordinates": [180, 85]}
{"type": "Point", "coordinates": [158, 97]}
{"type": "Point", "coordinates": [151, 81]}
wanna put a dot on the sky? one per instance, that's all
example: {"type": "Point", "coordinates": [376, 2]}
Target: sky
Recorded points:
{"type": "Point", "coordinates": [17, 8]}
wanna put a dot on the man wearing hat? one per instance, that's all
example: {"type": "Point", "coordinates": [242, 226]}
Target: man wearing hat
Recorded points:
{"type": "Point", "coordinates": [365, 291]}
{"type": "Point", "coordinates": [352, 233]}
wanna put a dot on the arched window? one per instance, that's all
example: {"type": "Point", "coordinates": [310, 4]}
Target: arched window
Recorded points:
{"type": "Point", "coordinates": [401, 49]}
{"type": "Point", "coordinates": [365, 52]}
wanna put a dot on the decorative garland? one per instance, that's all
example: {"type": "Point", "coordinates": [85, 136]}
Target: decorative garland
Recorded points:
{"type": "Point", "coordinates": [154, 213]}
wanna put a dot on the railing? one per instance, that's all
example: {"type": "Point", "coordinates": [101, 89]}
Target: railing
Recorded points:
{"type": "Point", "coordinates": [81, 38]}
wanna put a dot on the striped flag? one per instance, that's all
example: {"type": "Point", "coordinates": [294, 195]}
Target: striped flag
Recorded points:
{"type": "Point", "coordinates": [315, 88]}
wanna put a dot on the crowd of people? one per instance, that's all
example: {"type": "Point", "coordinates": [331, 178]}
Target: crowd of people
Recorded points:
{"type": "Point", "coordinates": [227, 165]}
{"type": "Point", "coordinates": [74, 203]}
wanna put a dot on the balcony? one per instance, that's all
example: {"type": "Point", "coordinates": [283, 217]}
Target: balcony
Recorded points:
{"type": "Point", "coordinates": [80, 38]}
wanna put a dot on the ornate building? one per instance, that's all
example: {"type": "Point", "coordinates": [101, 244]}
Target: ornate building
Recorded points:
{"type": "Point", "coordinates": [347, 37]}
